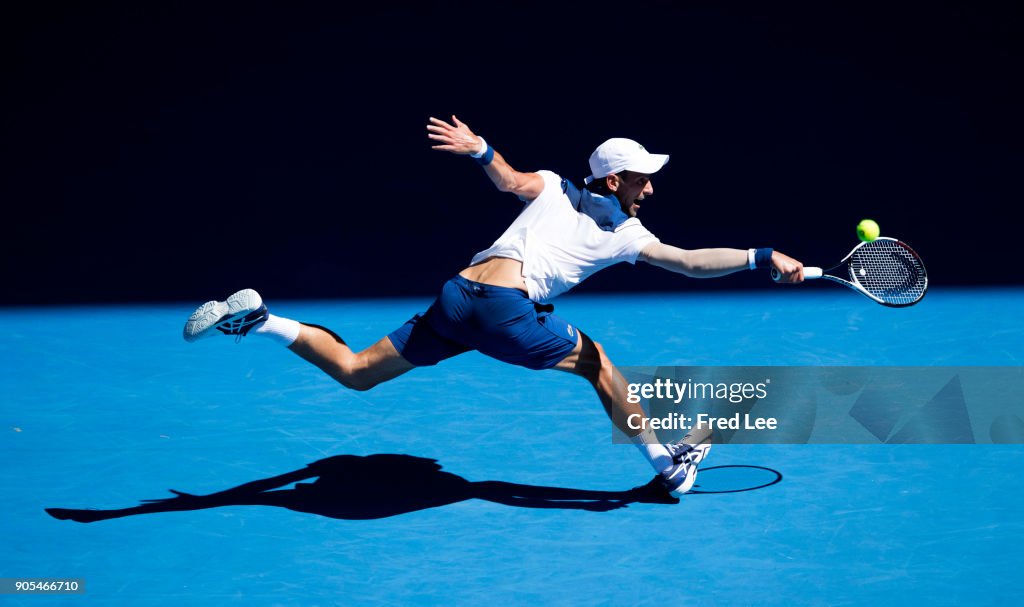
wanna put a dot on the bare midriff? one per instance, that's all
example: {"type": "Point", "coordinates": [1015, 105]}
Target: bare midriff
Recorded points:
{"type": "Point", "coordinates": [497, 271]}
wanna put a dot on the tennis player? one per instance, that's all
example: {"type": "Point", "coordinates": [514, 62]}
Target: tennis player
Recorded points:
{"type": "Point", "coordinates": [498, 305]}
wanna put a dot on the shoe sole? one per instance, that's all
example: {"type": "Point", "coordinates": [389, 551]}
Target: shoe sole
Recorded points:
{"type": "Point", "coordinates": [203, 321]}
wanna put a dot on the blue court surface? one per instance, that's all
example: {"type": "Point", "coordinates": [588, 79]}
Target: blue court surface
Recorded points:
{"type": "Point", "coordinates": [299, 492]}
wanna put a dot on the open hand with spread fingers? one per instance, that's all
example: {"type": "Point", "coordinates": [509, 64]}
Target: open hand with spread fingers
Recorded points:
{"type": "Point", "coordinates": [456, 138]}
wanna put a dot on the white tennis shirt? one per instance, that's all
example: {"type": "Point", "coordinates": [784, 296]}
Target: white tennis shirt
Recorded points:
{"type": "Point", "coordinates": [559, 246]}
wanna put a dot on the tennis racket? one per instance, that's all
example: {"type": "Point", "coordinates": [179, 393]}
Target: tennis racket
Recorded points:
{"type": "Point", "coordinates": [885, 269]}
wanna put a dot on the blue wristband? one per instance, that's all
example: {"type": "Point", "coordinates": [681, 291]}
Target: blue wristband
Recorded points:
{"type": "Point", "coordinates": [763, 257]}
{"type": "Point", "coordinates": [487, 157]}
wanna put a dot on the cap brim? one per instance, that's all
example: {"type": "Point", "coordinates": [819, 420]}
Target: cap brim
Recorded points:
{"type": "Point", "coordinates": [649, 165]}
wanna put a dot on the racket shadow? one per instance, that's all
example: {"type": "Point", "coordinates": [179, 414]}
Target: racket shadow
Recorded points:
{"type": "Point", "coordinates": [377, 486]}
{"type": "Point", "coordinates": [734, 478]}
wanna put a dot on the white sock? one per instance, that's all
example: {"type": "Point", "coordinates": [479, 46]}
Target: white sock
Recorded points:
{"type": "Point", "coordinates": [655, 452]}
{"type": "Point", "coordinates": [282, 330]}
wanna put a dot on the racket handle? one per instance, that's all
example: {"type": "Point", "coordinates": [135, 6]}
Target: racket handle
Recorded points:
{"type": "Point", "coordinates": [810, 273]}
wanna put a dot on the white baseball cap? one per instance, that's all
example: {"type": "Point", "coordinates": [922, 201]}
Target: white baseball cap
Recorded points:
{"type": "Point", "coordinates": [619, 154]}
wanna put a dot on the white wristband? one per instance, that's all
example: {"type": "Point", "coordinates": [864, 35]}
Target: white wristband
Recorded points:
{"type": "Point", "coordinates": [751, 263]}
{"type": "Point", "coordinates": [483, 149]}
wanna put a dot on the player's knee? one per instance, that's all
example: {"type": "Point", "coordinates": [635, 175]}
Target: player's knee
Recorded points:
{"type": "Point", "coordinates": [353, 378]}
{"type": "Point", "coordinates": [593, 362]}
{"type": "Point", "coordinates": [600, 358]}
{"type": "Point", "coordinates": [358, 386]}
{"type": "Point", "coordinates": [605, 369]}
{"type": "Point", "coordinates": [358, 383]}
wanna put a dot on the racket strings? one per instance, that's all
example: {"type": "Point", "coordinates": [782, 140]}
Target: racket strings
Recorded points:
{"type": "Point", "coordinates": [890, 271]}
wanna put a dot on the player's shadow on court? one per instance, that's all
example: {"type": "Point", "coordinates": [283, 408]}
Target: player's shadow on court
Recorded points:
{"type": "Point", "coordinates": [378, 486]}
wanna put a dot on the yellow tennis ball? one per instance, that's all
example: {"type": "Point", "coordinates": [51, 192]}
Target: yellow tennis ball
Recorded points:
{"type": "Point", "coordinates": [868, 230]}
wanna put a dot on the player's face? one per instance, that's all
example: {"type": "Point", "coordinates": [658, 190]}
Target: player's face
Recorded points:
{"type": "Point", "coordinates": [631, 188]}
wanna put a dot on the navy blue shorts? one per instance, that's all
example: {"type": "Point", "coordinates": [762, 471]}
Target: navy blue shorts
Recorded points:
{"type": "Point", "coordinates": [500, 322]}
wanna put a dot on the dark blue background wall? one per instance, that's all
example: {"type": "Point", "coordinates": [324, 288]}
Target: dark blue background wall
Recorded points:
{"type": "Point", "coordinates": [182, 152]}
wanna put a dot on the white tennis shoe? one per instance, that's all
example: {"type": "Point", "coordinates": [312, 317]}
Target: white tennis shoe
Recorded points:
{"type": "Point", "coordinates": [237, 315]}
{"type": "Point", "coordinates": [680, 476]}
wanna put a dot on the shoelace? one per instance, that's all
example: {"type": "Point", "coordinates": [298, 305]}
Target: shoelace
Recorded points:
{"type": "Point", "coordinates": [683, 452]}
{"type": "Point", "coordinates": [232, 327]}
{"type": "Point", "coordinates": [678, 451]}
{"type": "Point", "coordinates": [239, 327]}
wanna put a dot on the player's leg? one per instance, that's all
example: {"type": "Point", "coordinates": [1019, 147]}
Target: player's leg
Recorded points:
{"type": "Point", "coordinates": [675, 463]}
{"type": "Point", "coordinates": [356, 370]}
{"type": "Point", "coordinates": [243, 313]}
{"type": "Point", "coordinates": [588, 360]}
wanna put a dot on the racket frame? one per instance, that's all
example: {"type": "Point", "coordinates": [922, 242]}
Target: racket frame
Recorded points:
{"type": "Point", "coordinates": [811, 272]}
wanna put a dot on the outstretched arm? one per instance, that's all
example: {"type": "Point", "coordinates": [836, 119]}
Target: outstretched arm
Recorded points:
{"type": "Point", "coordinates": [457, 138]}
{"type": "Point", "coordinates": [709, 263]}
